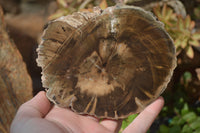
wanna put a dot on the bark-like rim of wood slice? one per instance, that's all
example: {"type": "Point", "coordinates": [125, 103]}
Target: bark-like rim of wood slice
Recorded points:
{"type": "Point", "coordinates": [108, 63]}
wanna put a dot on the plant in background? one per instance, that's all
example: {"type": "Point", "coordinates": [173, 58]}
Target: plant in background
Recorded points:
{"type": "Point", "coordinates": [185, 121]}
{"type": "Point", "coordinates": [197, 12]}
{"type": "Point", "coordinates": [127, 121]}
{"type": "Point", "coordinates": [66, 7]}
{"type": "Point", "coordinates": [181, 118]}
{"type": "Point", "coordinates": [181, 29]}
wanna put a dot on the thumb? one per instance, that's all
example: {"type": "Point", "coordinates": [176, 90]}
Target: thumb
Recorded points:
{"type": "Point", "coordinates": [38, 106]}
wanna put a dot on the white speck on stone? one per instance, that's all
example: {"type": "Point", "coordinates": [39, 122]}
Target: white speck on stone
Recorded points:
{"type": "Point", "coordinates": [110, 10]}
{"type": "Point", "coordinates": [113, 23]}
{"type": "Point", "coordinates": [70, 20]}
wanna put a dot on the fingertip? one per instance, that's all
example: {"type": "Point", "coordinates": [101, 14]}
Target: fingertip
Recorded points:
{"type": "Point", "coordinates": [161, 99]}
{"type": "Point", "coordinates": [156, 105]}
{"type": "Point", "coordinates": [144, 120]}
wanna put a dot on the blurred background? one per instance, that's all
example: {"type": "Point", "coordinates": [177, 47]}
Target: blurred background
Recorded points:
{"type": "Point", "coordinates": [21, 26]}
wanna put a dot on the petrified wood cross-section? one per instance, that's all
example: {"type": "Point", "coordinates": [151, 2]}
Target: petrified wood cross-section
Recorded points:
{"type": "Point", "coordinates": [109, 63]}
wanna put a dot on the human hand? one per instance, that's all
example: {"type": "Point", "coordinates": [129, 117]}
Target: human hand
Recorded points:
{"type": "Point", "coordinates": [38, 116]}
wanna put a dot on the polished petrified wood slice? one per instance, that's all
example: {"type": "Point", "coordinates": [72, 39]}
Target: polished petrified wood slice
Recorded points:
{"type": "Point", "coordinates": [109, 63]}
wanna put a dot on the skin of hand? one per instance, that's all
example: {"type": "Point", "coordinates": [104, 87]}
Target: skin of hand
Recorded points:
{"type": "Point", "coordinates": [39, 116]}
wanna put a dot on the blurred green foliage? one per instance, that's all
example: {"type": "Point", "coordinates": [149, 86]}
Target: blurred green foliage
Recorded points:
{"type": "Point", "coordinates": [127, 121]}
{"type": "Point", "coordinates": [185, 120]}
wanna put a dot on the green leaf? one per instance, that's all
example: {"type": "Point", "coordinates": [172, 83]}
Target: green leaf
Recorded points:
{"type": "Point", "coordinates": [198, 109]}
{"type": "Point", "coordinates": [176, 110]}
{"type": "Point", "coordinates": [186, 129]}
{"type": "Point", "coordinates": [128, 120]}
{"type": "Point", "coordinates": [165, 108]}
{"type": "Point", "coordinates": [195, 124]}
{"type": "Point", "coordinates": [189, 117]}
{"type": "Point", "coordinates": [187, 22]}
{"type": "Point", "coordinates": [163, 129]}
{"type": "Point", "coordinates": [174, 121]}
{"type": "Point", "coordinates": [62, 3]}
{"type": "Point", "coordinates": [177, 43]}
{"type": "Point", "coordinates": [196, 36]}
{"type": "Point", "coordinates": [132, 117]}
{"type": "Point", "coordinates": [181, 100]}
{"type": "Point", "coordinates": [190, 52]}
{"type": "Point", "coordinates": [177, 121]}
{"type": "Point", "coordinates": [197, 130]}
{"type": "Point", "coordinates": [185, 109]}
{"type": "Point", "coordinates": [194, 42]}
{"type": "Point", "coordinates": [175, 129]}
{"type": "Point", "coordinates": [180, 23]}
{"type": "Point", "coordinates": [169, 13]}
{"type": "Point", "coordinates": [181, 121]}
{"type": "Point", "coordinates": [184, 42]}
{"type": "Point", "coordinates": [187, 76]}
{"type": "Point", "coordinates": [124, 124]}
